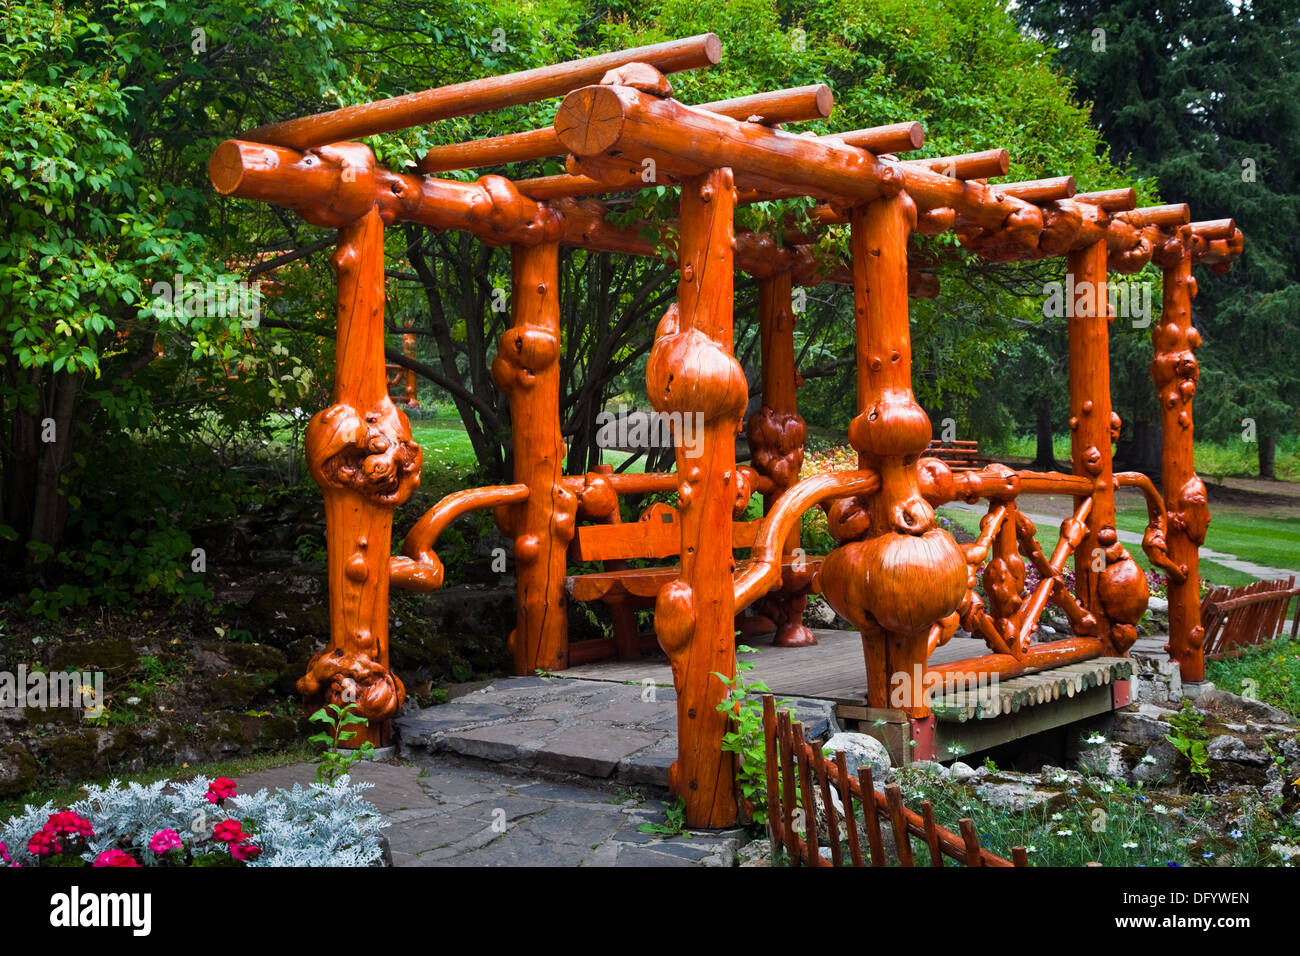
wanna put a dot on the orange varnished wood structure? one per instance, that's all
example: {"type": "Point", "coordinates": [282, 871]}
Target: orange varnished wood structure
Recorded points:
{"type": "Point", "coordinates": [904, 582]}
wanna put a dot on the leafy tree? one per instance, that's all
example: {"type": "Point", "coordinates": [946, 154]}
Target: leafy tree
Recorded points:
{"type": "Point", "coordinates": [110, 111]}
{"type": "Point", "coordinates": [1204, 96]}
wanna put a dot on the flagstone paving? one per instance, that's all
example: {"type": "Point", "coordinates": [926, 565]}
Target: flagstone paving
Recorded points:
{"type": "Point", "coordinates": [451, 813]}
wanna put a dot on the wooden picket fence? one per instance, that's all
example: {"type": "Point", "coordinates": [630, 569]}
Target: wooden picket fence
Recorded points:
{"type": "Point", "coordinates": [1242, 617]}
{"type": "Point", "coordinates": [795, 766]}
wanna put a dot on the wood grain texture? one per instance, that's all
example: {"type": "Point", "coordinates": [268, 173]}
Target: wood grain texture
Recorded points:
{"type": "Point", "coordinates": [692, 371]}
{"type": "Point", "coordinates": [527, 371]}
{"type": "Point", "coordinates": [360, 452]}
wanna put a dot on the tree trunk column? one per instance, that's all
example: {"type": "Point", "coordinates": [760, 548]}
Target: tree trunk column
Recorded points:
{"type": "Point", "coordinates": [899, 574]}
{"type": "Point", "coordinates": [1174, 370]}
{"type": "Point", "coordinates": [527, 371]}
{"type": "Point", "coordinates": [1108, 582]}
{"type": "Point", "coordinates": [693, 377]}
{"type": "Point", "coordinates": [776, 439]}
{"type": "Point", "coordinates": [360, 452]}
{"type": "Point", "coordinates": [1090, 414]}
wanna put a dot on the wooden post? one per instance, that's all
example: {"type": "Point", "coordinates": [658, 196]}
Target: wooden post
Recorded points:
{"type": "Point", "coordinates": [1108, 582]}
{"type": "Point", "coordinates": [1175, 370]}
{"type": "Point", "coordinates": [693, 376]}
{"type": "Point", "coordinates": [776, 440]}
{"type": "Point", "coordinates": [901, 573]}
{"type": "Point", "coordinates": [1088, 311]}
{"type": "Point", "coordinates": [360, 452]}
{"type": "Point", "coordinates": [527, 370]}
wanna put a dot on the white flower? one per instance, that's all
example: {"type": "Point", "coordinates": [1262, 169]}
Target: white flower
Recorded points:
{"type": "Point", "coordinates": [1129, 846]}
{"type": "Point", "coordinates": [133, 700]}
{"type": "Point", "coordinates": [1160, 808]}
{"type": "Point", "coordinates": [1065, 833]}
{"type": "Point", "coordinates": [1031, 849]}
{"type": "Point", "coordinates": [1057, 817]}
{"type": "Point", "coordinates": [1096, 739]}
{"type": "Point", "coordinates": [1148, 759]}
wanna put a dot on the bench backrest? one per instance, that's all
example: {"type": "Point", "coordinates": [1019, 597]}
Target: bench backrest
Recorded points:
{"type": "Point", "coordinates": [1240, 617]}
{"type": "Point", "coordinates": [657, 535]}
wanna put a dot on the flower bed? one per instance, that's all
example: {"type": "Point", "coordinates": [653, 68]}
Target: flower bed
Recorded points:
{"type": "Point", "coordinates": [199, 822]}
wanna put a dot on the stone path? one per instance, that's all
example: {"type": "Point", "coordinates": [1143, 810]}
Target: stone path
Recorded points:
{"type": "Point", "coordinates": [614, 733]}
{"type": "Point", "coordinates": [448, 813]}
{"type": "Point", "coordinates": [1259, 571]}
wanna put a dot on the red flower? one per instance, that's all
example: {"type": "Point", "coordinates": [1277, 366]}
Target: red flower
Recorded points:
{"type": "Point", "coordinates": [44, 842]}
{"type": "Point", "coordinates": [165, 840]}
{"type": "Point", "coordinates": [229, 831]}
{"type": "Point", "coordinates": [115, 858]}
{"type": "Point", "coordinates": [220, 788]}
{"type": "Point", "coordinates": [245, 851]}
{"type": "Point", "coordinates": [69, 823]}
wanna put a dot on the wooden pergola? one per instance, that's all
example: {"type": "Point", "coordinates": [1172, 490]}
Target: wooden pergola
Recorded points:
{"type": "Point", "coordinates": [902, 581]}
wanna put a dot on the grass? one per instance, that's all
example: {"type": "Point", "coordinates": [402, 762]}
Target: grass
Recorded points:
{"type": "Point", "coordinates": [62, 796]}
{"type": "Point", "coordinates": [1214, 460]}
{"type": "Point", "coordinates": [1271, 671]}
{"type": "Point", "coordinates": [1101, 821]}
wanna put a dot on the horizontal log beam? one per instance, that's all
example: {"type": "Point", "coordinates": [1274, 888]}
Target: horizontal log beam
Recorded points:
{"type": "Point", "coordinates": [596, 120]}
{"type": "Point", "coordinates": [780, 106]}
{"type": "Point", "coordinates": [1040, 190]}
{"type": "Point", "coordinates": [1111, 200]}
{"type": "Point", "coordinates": [985, 164]}
{"type": "Point", "coordinates": [482, 95]}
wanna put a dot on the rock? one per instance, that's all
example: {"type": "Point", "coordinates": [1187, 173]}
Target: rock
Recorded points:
{"type": "Point", "coordinates": [18, 770]}
{"type": "Point", "coordinates": [1162, 766]}
{"type": "Point", "coordinates": [861, 749]}
{"type": "Point", "coordinates": [1015, 795]}
{"type": "Point", "coordinates": [1141, 727]}
{"type": "Point", "coordinates": [1103, 760]}
{"type": "Point", "coordinates": [1226, 747]}
{"type": "Point", "coordinates": [113, 655]}
{"type": "Point", "coordinates": [960, 772]}
{"type": "Point", "coordinates": [755, 853]}
{"type": "Point", "coordinates": [818, 613]}
{"type": "Point", "coordinates": [1215, 699]}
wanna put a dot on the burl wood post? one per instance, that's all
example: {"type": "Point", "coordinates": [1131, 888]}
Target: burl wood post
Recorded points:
{"type": "Point", "coordinates": [903, 574]}
{"type": "Point", "coordinates": [776, 440]}
{"type": "Point", "coordinates": [1108, 582]}
{"type": "Point", "coordinates": [693, 376]}
{"type": "Point", "coordinates": [527, 371]}
{"type": "Point", "coordinates": [1175, 370]}
{"type": "Point", "coordinates": [360, 452]}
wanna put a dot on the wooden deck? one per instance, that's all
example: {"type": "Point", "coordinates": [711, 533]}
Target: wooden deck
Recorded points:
{"type": "Point", "coordinates": [966, 721]}
{"type": "Point", "coordinates": [832, 670]}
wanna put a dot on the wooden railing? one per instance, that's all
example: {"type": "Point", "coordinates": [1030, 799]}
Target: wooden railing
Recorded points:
{"type": "Point", "coordinates": [795, 768]}
{"type": "Point", "coordinates": [1242, 617]}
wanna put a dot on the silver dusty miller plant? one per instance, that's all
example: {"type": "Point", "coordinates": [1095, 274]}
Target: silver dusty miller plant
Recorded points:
{"type": "Point", "coordinates": [320, 825]}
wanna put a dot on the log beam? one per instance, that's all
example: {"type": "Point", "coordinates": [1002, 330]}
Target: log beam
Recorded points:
{"type": "Point", "coordinates": [482, 95]}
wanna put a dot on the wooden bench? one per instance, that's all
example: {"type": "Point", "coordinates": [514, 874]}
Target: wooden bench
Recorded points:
{"type": "Point", "coordinates": [1242, 617]}
{"type": "Point", "coordinates": [626, 589]}
{"type": "Point", "coordinates": [958, 455]}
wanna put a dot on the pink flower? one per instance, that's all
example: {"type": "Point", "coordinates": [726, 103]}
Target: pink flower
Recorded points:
{"type": "Point", "coordinates": [220, 788]}
{"type": "Point", "coordinates": [44, 843]}
{"type": "Point", "coordinates": [115, 858]}
{"type": "Point", "coordinates": [4, 853]}
{"type": "Point", "coordinates": [229, 831]}
{"type": "Point", "coordinates": [245, 851]}
{"type": "Point", "coordinates": [69, 823]}
{"type": "Point", "coordinates": [165, 840]}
